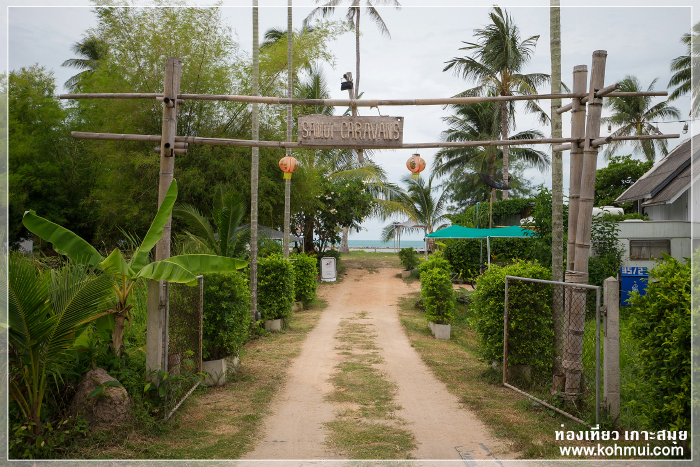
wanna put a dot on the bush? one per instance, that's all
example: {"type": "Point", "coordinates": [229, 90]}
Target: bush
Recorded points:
{"type": "Point", "coordinates": [661, 325]}
{"type": "Point", "coordinates": [437, 295]}
{"type": "Point", "coordinates": [409, 258]}
{"type": "Point", "coordinates": [530, 328]}
{"type": "Point", "coordinates": [305, 272]}
{"type": "Point", "coordinates": [275, 287]}
{"type": "Point", "coordinates": [605, 245]}
{"type": "Point", "coordinates": [226, 319]}
{"type": "Point", "coordinates": [435, 261]}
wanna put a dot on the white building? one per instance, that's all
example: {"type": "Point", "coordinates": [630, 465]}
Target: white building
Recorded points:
{"type": "Point", "coordinates": [663, 194]}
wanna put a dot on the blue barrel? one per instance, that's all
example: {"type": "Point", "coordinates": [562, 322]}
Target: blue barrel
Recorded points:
{"type": "Point", "coordinates": [632, 279]}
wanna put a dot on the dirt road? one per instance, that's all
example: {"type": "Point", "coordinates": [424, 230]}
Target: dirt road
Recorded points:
{"type": "Point", "coordinates": [442, 428]}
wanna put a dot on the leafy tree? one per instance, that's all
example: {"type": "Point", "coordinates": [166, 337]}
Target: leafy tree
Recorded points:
{"type": "Point", "coordinates": [632, 116]}
{"type": "Point", "coordinates": [497, 63]}
{"type": "Point", "coordinates": [48, 170]}
{"type": "Point", "coordinates": [542, 223]}
{"type": "Point", "coordinates": [620, 174]}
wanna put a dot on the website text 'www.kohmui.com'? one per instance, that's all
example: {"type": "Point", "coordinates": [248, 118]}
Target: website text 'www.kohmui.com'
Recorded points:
{"type": "Point", "coordinates": [634, 451]}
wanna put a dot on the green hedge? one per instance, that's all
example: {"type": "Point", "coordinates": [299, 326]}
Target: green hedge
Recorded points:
{"type": "Point", "coordinates": [465, 255]}
{"type": "Point", "coordinates": [226, 319]}
{"type": "Point", "coordinates": [275, 287]}
{"type": "Point", "coordinates": [434, 261]}
{"type": "Point", "coordinates": [305, 273]}
{"type": "Point", "coordinates": [437, 295]}
{"type": "Point", "coordinates": [661, 326]}
{"type": "Point", "coordinates": [530, 329]}
{"type": "Point", "coordinates": [409, 258]}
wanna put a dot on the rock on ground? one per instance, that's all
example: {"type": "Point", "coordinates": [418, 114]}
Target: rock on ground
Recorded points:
{"type": "Point", "coordinates": [111, 407]}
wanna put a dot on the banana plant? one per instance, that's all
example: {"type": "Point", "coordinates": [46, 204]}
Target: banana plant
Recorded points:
{"type": "Point", "coordinates": [179, 269]}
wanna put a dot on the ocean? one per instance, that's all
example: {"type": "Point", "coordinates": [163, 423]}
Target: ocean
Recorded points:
{"type": "Point", "coordinates": [381, 244]}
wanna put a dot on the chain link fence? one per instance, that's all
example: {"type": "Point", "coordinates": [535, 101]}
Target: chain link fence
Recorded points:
{"type": "Point", "coordinates": [560, 370]}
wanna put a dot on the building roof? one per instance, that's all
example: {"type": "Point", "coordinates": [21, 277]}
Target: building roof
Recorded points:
{"type": "Point", "coordinates": [661, 184]}
{"type": "Point", "coordinates": [271, 233]}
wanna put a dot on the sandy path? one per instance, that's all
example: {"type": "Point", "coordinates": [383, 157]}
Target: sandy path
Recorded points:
{"type": "Point", "coordinates": [443, 429]}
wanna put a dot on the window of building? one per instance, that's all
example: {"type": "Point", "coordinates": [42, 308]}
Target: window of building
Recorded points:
{"type": "Point", "coordinates": [649, 249]}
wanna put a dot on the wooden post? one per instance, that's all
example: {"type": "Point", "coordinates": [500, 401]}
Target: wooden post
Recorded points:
{"type": "Point", "coordinates": [255, 153]}
{"type": "Point", "coordinates": [611, 348]}
{"type": "Point", "coordinates": [573, 357]}
{"type": "Point", "coordinates": [157, 299]}
{"type": "Point", "coordinates": [288, 181]}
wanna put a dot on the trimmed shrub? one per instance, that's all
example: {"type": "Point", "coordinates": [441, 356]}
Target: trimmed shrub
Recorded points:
{"type": "Point", "coordinates": [275, 287]}
{"type": "Point", "coordinates": [530, 328]}
{"type": "Point", "coordinates": [435, 261]}
{"type": "Point", "coordinates": [437, 295]}
{"type": "Point", "coordinates": [661, 326]}
{"type": "Point", "coordinates": [226, 319]}
{"type": "Point", "coordinates": [305, 273]}
{"type": "Point", "coordinates": [409, 258]}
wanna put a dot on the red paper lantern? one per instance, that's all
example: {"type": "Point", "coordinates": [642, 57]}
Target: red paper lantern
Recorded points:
{"type": "Point", "coordinates": [288, 164]}
{"type": "Point", "coordinates": [416, 165]}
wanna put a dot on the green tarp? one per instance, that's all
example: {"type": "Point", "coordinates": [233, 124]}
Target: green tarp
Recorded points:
{"type": "Point", "coordinates": [457, 231]}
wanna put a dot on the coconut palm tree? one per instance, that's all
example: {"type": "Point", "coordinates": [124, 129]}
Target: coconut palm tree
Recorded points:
{"type": "Point", "coordinates": [497, 62]}
{"type": "Point", "coordinates": [92, 51]}
{"type": "Point", "coordinates": [421, 206]}
{"type": "Point", "coordinates": [632, 116]}
{"type": "Point", "coordinates": [683, 68]}
{"type": "Point", "coordinates": [479, 122]}
{"type": "Point", "coordinates": [352, 17]}
{"type": "Point", "coordinates": [223, 238]}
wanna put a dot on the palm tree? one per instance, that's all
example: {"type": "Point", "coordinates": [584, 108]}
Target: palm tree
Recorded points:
{"type": "Point", "coordinates": [92, 50]}
{"type": "Point", "coordinates": [632, 116]}
{"type": "Point", "coordinates": [498, 59]}
{"type": "Point", "coordinates": [224, 238]}
{"type": "Point", "coordinates": [478, 122]}
{"type": "Point", "coordinates": [421, 207]}
{"type": "Point", "coordinates": [352, 17]}
{"type": "Point", "coordinates": [684, 67]}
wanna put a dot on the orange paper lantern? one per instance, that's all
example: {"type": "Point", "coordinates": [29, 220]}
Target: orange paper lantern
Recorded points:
{"type": "Point", "coordinates": [288, 164]}
{"type": "Point", "coordinates": [416, 165]}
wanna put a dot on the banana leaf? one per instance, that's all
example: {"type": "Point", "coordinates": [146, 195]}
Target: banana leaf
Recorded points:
{"type": "Point", "coordinates": [167, 271]}
{"type": "Point", "coordinates": [63, 240]}
{"type": "Point", "coordinates": [155, 231]}
{"type": "Point", "coordinates": [115, 262]}
{"type": "Point", "coordinates": [207, 264]}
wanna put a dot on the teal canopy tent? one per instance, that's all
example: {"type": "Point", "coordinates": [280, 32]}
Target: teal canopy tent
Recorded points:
{"type": "Point", "coordinates": [459, 232]}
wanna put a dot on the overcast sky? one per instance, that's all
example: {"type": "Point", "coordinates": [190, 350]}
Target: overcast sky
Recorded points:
{"type": "Point", "coordinates": [641, 39]}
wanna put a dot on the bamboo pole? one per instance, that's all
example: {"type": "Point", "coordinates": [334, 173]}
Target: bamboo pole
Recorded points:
{"type": "Point", "coordinates": [156, 294]}
{"type": "Point", "coordinates": [296, 145]}
{"type": "Point", "coordinates": [355, 102]}
{"type": "Point", "coordinates": [288, 181]}
{"type": "Point", "coordinates": [573, 362]}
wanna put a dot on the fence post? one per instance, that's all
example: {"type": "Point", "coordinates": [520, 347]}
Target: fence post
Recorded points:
{"type": "Point", "coordinates": [611, 348]}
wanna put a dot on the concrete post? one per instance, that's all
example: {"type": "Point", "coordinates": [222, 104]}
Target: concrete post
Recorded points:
{"type": "Point", "coordinates": [611, 348]}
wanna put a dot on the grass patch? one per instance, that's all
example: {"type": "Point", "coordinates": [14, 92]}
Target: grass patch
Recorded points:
{"type": "Point", "coordinates": [367, 428]}
{"type": "Point", "coordinates": [365, 260]}
{"type": "Point", "coordinates": [222, 422]}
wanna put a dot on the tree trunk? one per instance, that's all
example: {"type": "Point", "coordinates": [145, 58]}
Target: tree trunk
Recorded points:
{"type": "Point", "coordinates": [344, 244]}
{"type": "Point", "coordinates": [504, 136]}
{"type": "Point", "coordinates": [254, 174]}
{"type": "Point", "coordinates": [118, 333]}
{"type": "Point", "coordinates": [557, 197]}
{"type": "Point", "coordinates": [309, 236]}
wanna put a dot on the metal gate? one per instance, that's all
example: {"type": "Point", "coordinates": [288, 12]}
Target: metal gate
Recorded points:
{"type": "Point", "coordinates": [538, 360]}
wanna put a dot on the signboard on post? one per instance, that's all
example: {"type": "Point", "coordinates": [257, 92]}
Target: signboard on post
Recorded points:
{"type": "Point", "coordinates": [351, 132]}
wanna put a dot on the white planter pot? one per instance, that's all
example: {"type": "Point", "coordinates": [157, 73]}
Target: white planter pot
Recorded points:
{"type": "Point", "coordinates": [442, 331]}
{"type": "Point", "coordinates": [431, 325]}
{"type": "Point", "coordinates": [217, 370]}
{"type": "Point", "coordinates": [273, 325]}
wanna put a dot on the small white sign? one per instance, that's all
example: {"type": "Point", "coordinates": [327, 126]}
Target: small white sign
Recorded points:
{"type": "Point", "coordinates": [328, 271]}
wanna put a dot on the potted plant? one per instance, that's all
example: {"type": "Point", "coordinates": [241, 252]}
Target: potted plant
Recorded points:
{"type": "Point", "coordinates": [438, 301]}
{"type": "Point", "coordinates": [276, 291]}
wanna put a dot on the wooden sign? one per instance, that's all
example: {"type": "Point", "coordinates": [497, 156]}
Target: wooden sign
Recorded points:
{"type": "Point", "coordinates": [351, 132]}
